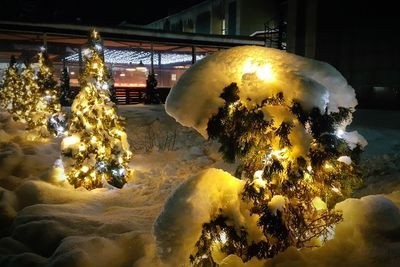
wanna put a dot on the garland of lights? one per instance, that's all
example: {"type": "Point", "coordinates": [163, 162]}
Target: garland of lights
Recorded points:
{"type": "Point", "coordinates": [112, 56]}
{"type": "Point", "coordinates": [96, 150]}
{"type": "Point", "coordinates": [307, 187]}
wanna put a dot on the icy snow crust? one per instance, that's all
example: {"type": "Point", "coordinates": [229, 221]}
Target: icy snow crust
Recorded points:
{"type": "Point", "coordinates": [45, 222]}
{"type": "Point", "coordinates": [259, 72]}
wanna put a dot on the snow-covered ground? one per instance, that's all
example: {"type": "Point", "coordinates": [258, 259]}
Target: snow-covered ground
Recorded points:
{"type": "Point", "coordinates": [46, 222]}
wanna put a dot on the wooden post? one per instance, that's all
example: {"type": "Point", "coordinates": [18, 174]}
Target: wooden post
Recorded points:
{"type": "Point", "coordinates": [152, 59]}
{"type": "Point", "coordinates": [127, 93]}
{"type": "Point", "coordinates": [193, 54]}
{"type": "Point", "coordinates": [80, 60]}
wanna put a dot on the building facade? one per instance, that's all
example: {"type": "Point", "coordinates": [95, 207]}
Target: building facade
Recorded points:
{"type": "Point", "coordinates": [223, 17]}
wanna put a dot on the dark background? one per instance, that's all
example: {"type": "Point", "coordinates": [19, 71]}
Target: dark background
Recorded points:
{"type": "Point", "coordinates": [90, 12]}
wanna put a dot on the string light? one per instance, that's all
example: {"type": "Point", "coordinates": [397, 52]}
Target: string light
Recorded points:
{"type": "Point", "coordinates": [135, 56]}
{"type": "Point", "coordinates": [34, 100]}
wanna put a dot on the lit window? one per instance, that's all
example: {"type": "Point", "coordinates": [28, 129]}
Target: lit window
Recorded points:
{"type": "Point", "coordinates": [223, 31]}
{"type": "Point", "coordinates": [173, 77]}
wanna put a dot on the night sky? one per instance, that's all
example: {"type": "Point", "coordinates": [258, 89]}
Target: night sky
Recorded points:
{"type": "Point", "coordinates": [91, 12]}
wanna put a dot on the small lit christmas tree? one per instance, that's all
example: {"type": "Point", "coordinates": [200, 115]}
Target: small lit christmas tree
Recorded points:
{"type": "Point", "coordinates": [96, 149]}
{"type": "Point", "coordinates": [10, 86]}
{"type": "Point", "coordinates": [292, 196]}
{"type": "Point", "coordinates": [66, 95]}
{"type": "Point", "coordinates": [152, 95]}
{"type": "Point", "coordinates": [113, 92]}
{"type": "Point", "coordinates": [38, 98]}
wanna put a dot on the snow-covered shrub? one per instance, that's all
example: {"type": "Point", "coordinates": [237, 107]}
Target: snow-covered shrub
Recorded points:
{"type": "Point", "coordinates": [283, 119]}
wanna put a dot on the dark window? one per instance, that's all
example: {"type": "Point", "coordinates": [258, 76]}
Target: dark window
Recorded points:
{"type": "Point", "coordinates": [232, 18]}
{"type": "Point", "coordinates": [203, 24]}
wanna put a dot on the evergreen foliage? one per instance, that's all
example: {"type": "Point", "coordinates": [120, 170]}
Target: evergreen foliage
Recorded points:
{"type": "Point", "coordinates": [152, 95]}
{"type": "Point", "coordinates": [10, 88]}
{"type": "Point", "coordinates": [37, 98]}
{"type": "Point", "coordinates": [66, 94]}
{"type": "Point", "coordinates": [310, 185]}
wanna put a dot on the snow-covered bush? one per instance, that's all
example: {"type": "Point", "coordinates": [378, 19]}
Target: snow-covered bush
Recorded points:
{"type": "Point", "coordinates": [282, 118]}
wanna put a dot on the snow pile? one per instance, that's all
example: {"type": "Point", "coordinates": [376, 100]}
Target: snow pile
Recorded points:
{"type": "Point", "coordinates": [178, 227]}
{"type": "Point", "coordinates": [259, 73]}
{"type": "Point", "coordinates": [368, 235]}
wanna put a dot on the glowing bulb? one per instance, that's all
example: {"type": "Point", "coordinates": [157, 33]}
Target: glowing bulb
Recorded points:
{"type": "Point", "coordinates": [85, 169]}
{"type": "Point", "coordinates": [70, 140]}
{"type": "Point", "coordinates": [318, 203]}
{"type": "Point", "coordinates": [82, 147]}
{"type": "Point", "coordinates": [258, 174]}
{"type": "Point", "coordinates": [328, 166]}
{"type": "Point", "coordinates": [222, 237]}
{"type": "Point", "coordinates": [339, 133]}
{"type": "Point", "coordinates": [98, 47]}
{"type": "Point", "coordinates": [309, 168]}
{"type": "Point", "coordinates": [260, 183]}
{"type": "Point", "coordinates": [336, 190]}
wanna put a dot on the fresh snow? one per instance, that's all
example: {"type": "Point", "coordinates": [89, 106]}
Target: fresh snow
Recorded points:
{"type": "Point", "coordinates": [259, 72]}
{"type": "Point", "coordinates": [45, 222]}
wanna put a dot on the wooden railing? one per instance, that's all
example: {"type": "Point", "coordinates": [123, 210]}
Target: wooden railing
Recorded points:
{"type": "Point", "coordinates": [135, 95]}
{"type": "Point", "coordinates": [130, 95]}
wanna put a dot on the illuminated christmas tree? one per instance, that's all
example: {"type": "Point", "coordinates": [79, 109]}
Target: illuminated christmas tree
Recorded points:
{"type": "Point", "coordinates": [291, 196]}
{"type": "Point", "coordinates": [11, 85]}
{"type": "Point", "coordinates": [96, 150]}
{"type": "Point", "coordinates": [38, 100]}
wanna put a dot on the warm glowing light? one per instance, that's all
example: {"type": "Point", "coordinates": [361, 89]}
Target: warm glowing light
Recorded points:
{"type": "Point", "coordinates": [319, 204]}
{"type": "Point", "coordinates": [259, 182]}
{"type": "Point", "coordinates": [336, 190]}
{"type": "Point", "coordinates": [85, 169]}
{"type": "Point", "coordinates": [309, 168]}
{"type": "Point", "coordinates": [328, 166]}
{"type": "Point", "coordinates": [264, 72]}
{"type": "Point", "coordinates": [70, 140]}
{"type": "Point", "coordinates": [82, 147]}
{"type": "Point", "coordinates": [58, 170]}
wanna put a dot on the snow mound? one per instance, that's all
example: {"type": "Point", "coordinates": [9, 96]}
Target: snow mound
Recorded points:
{"type": "Point", "coordinates": [179, 225]}
{"type": "Point", "coordinates": [259, 73]}
{"type": "Point", "coordinates": [368, 235]}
